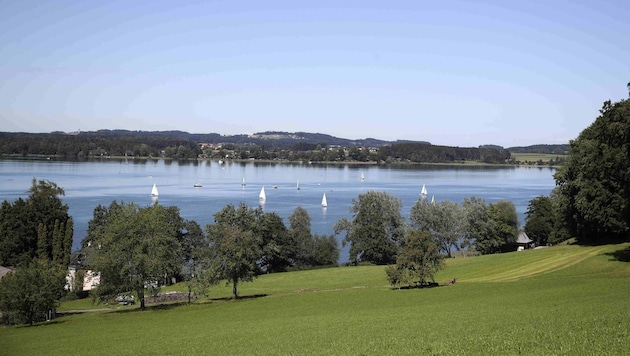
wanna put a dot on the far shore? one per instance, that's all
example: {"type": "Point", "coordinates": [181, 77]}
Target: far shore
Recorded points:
{"type": "Point", "coordinates": [251, 160]}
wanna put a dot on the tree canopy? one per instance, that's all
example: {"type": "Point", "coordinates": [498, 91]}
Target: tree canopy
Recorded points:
{"type": "Point", "coordinates": [444, 221]}
{"type": "Point", "coordinates": [541, 220]}
{"type": "Point", "coordinates": [41, 221]}
{"type": "Point", "coordinates": [235, 248]}
{"type": "Point", "coordinates": [134, 248]}
{"type": "Point", "coordinates": [418, 261]}
{"type": "Point", "coordinates": [36, 238]}
{"type": "Point", "coordinates": [594, 184]}
{"type": "Point", "coordinates": [376, 229]}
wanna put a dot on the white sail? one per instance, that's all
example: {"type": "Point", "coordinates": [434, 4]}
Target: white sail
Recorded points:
{"type": "Point", "coordinates": [324, 201]}
{"type": "Point", "coordinates": [298, 185]}
{"type": "Point", "coordinates": [362, 177]}
{"type": "Point", "coordinates": [433, 199]}
{"type": "Point", "coordinates": [262, 195]}
{"type": "Point", "coordinates": [243, 182]}
{"type": "Point", "coordinates": [154, 191]}
{"type": "Point", "coordinates": [424, 190]}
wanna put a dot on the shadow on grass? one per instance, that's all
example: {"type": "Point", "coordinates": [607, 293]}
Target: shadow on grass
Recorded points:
{"type": "Point", "coordinates": [40, 323]}
{"type": "Point", "coordinates": [419, 286]}
{"type": "Point", "coordinates": [150, 307]}
{"type": "Point", "coordinates": [172, 305]}
{"type": "Point", "coordinates": [620, 255]}
{"type": "Point", "coordinates": [245, 297]}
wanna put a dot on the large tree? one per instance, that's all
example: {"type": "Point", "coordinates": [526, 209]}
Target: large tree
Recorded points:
{"type": "Point", "coordinates": [418, 261]}
{"type": "Point", "coordinates": [444, 221]}
{"type": "Point", "coordinates": [278, 247]}
{"type": "Point", "coordinates": [32, 290]}
{"type": "Point", "coordinates": [505, 221]}
{"type": "Point", "coordinates": [23, 222]}
{"type": "Point", "coordinates": [134, 248]}
{"type": "Point", "coordinates": [594, 184]}
{"type": "Point", "coordinates": [541, 220]}
{"type": "Point", "coordinates": [234, 246]}
{"type": "Point", "coordinates": [310, 250]}
{"type": "Point", "coordinates": [195, 255]}
{"type": "Point", "coordinates": [376, 229]}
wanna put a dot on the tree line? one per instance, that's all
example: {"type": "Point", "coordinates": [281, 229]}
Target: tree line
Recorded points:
{"type": "Point", "coordinates": [134, 247]}
{"type": "Point", "coordinates": [180, 146]}
{"type": "Point", "coordinates": [36, 237]}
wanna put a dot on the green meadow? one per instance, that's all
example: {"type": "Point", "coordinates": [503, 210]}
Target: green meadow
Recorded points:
{"type": "Point", "coordinates": [568, 299]}
{"type": "Point", "coordinates": [535, 157]}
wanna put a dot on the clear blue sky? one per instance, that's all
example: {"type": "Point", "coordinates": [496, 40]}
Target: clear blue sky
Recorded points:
{"type": "Point", "coordinates": [450, 72]}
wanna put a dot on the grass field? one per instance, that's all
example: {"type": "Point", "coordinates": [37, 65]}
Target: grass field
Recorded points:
{"type": "Point", "coordinates": [535, 157]}
{"type": "Point", "coordinates": [560, 300]}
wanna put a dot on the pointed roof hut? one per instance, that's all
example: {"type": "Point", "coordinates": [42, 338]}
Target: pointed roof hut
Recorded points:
{"type": "Point", "coordinates": [523, 241]}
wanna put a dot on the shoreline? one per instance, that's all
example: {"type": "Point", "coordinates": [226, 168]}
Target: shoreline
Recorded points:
{"type": "Point", "coordinates": [271, 161]}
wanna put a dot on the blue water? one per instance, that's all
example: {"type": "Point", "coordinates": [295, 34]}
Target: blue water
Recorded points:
{"type": "Point", "coordinates": [88, 184]}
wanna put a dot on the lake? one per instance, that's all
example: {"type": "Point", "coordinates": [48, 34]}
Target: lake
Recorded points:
{"type": "Point", "coordinates": [88, 184]}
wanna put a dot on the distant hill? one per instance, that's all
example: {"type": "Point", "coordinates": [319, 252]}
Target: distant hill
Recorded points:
{"type": "Point", "coordinates": [271, 138]}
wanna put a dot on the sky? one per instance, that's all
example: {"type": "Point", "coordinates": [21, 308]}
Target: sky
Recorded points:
{"type": "Point", "coordinates": [458, 73]}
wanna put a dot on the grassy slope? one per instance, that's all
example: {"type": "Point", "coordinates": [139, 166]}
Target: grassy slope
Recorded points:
{"type": "Point", "coordinates": [561, 300]}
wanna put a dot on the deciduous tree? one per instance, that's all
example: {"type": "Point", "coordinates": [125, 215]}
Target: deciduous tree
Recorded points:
{"type": "Point", "coordinates": [418, 260]}
{"type": "Point", "coordinates": [541, 220]}
{"type": "Point", "coordinates": [444, 221]}
{"type": "Point", "coordinates": [134, 248]}
{"type": "Point", "coordinates": [594, 184]}
{"type": "Point", "coordinates": [30, 291]}
{"type": "Point", "coordinates": [376, 229]}
{"type": "Point", "coordinates": [278, 247]}
{"type": "Point", "coordinates": [234, 248]}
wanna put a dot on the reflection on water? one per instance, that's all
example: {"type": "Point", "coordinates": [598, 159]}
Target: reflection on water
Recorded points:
{"type": "Point", "coordinates": [88, 184]}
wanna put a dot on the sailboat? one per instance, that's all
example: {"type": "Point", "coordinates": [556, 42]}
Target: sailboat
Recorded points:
{"type": "Point", "coordinates": [154, 191]}
{"type": "Point", "coordinates": [433, 199]}
{"type": "Point", "coordinates": [298, 185]}
{"type": "Point", "coordinates": [324, 201]}
{"type": "Point", "coordinates": [362, 177]}
{"type": "Point", "coordinates": [243, 182]}
{"type": "Point", "coordinates": [424, 191]}
{"type": "Point", "coordinates": [262, 196]}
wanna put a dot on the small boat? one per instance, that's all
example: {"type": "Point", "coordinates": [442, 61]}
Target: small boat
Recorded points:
{"type": "Point", "coordinates": [298, 185]}
{"type": "Point", "coordinates": [154, 191]}
{"type": "Point", "coordinates": [262, 196]}
{"type": "Point", "coordinates": [324, 201]}
{"type": "Point", "coordinates": [274, 186]}
{"type": "Point", "coordinates": [424, 190]}
{"type": "Point", "coordinates": [243, 182]}
{"type": "Point", "coordinates": [197, 185]}
{"type": "Point", "coordinates": [362, 177]}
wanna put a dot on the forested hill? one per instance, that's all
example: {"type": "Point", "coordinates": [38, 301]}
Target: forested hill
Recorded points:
{"type": "Point", "coordinates": [118, 142]}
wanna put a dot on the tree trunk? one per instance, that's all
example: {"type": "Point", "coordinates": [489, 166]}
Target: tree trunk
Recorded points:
{"type": "Point", "coordinates": [189, 292]}
{"type": "Point", "coordinates": [140, 292]}
{"type": "Point", "coordinates": [235, 288]}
